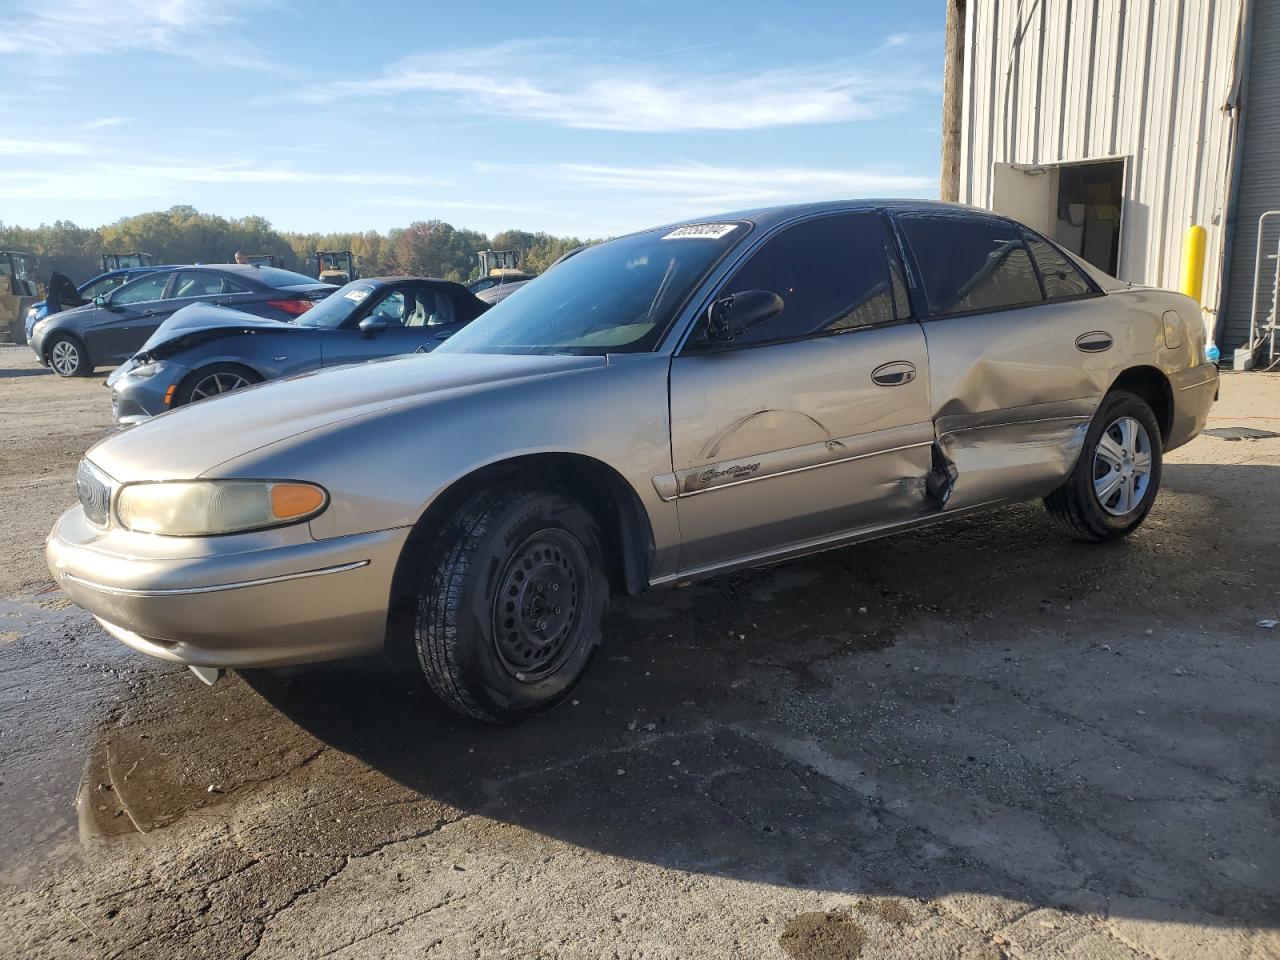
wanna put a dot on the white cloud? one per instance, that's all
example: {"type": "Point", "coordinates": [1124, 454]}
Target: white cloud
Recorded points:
{"type": "Point", "coordinates": [708, 185]}
{"type": "Point", "coordinates": [53, 31]}
{"type": "Point", "coordinates": [551, 81]}
{"type": "Point", "coordinates": [104, 122]}
{"type": "Point", "coordinates": [33, 148]}
{"type": "Point", "coordinates": [141, 181]}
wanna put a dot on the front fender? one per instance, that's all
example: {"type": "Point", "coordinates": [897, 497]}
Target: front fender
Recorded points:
{"type": "Point", "coordinates": [384, 469]}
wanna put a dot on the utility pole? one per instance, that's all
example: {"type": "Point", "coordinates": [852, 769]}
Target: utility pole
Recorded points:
{"type": "Point", "coordinates": [952, 99]}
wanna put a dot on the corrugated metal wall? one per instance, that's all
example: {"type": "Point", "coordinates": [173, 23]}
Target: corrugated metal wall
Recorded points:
{"type": "Point", "coordinates": [1058, 81]}
{"type": "Point", "coordinates": [1259, 187]}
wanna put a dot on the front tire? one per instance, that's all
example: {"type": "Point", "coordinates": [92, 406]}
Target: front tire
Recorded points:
{"type": "Point", "coordinates": [213, 381]}
{"type": "Point", "coordinates": [68, 357]}
{"type": "Point", "coordinates": [1114, 483]}
{"type": "Point", "coordinates": [512, 606]}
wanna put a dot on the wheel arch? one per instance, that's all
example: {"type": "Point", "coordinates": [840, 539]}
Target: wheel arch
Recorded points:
{"type": "Point", "coordinates": [64, 333]}
{"type": "Point", "coordinates": [194, 374]}
{"type": "Point", "coordinates": [1152, 385]}
{"type": "Point", "coordinates": [617, 508]}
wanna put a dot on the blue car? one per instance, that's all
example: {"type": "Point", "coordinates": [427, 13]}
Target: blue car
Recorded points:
{"type": "Point", "coordinates": [110, 329]}
{"type": "Point", "coordinates": [205, 350]}
{"type": "Point", "coordinates": [101, 284]}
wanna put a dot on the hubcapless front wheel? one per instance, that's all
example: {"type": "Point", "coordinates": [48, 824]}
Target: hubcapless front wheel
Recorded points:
{"type": "Point", "coordinates": [511, 608]}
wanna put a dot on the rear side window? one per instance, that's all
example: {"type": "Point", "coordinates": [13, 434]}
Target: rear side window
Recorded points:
{"type": "Point", "coordinates": [969, 264]}
{"type": "Point", "coordinates": [834, 274]}
{"type": "Point", "coordinates": [1061, 277]}
{"type": "Point", "coordinates": [203, 284]}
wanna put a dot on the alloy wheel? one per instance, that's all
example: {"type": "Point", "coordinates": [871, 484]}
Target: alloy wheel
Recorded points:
{"type": "Point", "coordinates": [65, 358]}
{"type": "Point", "coordinates": [217, 383]}
{"type": "Point", "coordinates": [1122, 466]}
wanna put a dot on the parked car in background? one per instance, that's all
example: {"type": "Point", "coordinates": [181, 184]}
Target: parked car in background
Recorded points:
{"type": "Point", "coordinates": [114, 325]}
{"type": "Point", "coordinates": [665, 406]}
{"type": "Point", "coordinates": [101, 284]}
{"type": "Point", "coordinates": [498, 278]}
{"type": "Point", "coordinates": [500, 292]}
{"type": "Point", "coordinates": [202, 350]}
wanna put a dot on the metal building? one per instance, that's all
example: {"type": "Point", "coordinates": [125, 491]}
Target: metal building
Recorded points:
{"type": "Point", "coordinates": [1115, 125]}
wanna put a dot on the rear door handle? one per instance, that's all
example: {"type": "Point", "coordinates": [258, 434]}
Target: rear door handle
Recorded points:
{"type": "Point", "coordinates": [1095, 341]}
{"type": "Point", "coordinates": [894, 374]}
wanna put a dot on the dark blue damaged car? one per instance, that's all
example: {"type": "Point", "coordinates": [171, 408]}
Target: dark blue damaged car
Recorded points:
{"type": "Point", "coordinates": [203, 350]}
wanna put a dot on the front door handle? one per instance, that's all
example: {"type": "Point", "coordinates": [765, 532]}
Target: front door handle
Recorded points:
{"type": "Point", "coordinates": [894, 374]}
{"type": "Point", "coordinates": [1095, 341]}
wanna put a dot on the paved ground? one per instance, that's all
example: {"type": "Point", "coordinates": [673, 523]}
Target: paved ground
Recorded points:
{"type": "Point", "coordinates": [979, 741]}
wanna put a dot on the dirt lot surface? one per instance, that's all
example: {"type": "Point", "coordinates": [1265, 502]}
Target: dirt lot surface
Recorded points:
{"type": "Point", "coordinates": [977, 741]}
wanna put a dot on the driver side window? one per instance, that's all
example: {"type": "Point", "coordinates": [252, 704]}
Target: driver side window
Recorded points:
{"type": "Point", "coordinates": [140, 291]}
{"type": "Point", "coordinates": [834, 274]}
{"type": "Point", "coordinates": [391, 309]}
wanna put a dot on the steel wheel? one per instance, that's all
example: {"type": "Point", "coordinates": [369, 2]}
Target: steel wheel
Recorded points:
{"type": "Point", "coordinates": [1122, 466]}
{"type": "Point", "coordinates": [65, 358]}
{"type": "Point", "coordinates": [537, 603]}
{"type": "Point", "coordinates": [216, 383]}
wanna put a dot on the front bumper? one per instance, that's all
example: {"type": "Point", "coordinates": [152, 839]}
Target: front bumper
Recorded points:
{"type": "Point", "coordinates": [234, 601]}
{"type": "Point", "coordinates": [135, 399]}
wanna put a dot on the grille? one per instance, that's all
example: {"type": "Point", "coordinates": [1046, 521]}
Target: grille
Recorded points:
{"type": "Point", "coordinates": [94, 492]}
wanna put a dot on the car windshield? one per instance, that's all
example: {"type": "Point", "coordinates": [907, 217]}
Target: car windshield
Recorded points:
{"type": "Point", "coordinates": [616, 297]}
{"type": "Point", "coordinates": [335, 308]}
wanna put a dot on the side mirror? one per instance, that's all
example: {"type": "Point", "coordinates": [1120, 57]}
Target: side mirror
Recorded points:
{"type": "Point", "coordinates": [100, 300]}
{"type": "Point", "coordinates": [733, 315]}
{"type": "Point", "coordinates": [371, 325]}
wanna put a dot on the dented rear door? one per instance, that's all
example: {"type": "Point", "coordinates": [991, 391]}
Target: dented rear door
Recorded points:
{"type": "Point", "coordinates": [814, 424]}
{"type": "Point", "coordinates": [1021, 347]}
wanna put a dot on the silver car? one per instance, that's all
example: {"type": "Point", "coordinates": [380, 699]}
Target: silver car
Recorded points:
{"type": "Point", "coordinates": [669, 405]}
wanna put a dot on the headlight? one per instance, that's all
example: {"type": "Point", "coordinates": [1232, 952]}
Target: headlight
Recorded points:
{"type": "Point", "coordinates": [201, 508]}
{"type": "Point", "coordinates": [148, 369]}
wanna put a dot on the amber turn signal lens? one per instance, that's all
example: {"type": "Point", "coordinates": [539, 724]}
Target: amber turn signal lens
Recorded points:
{"type": "Point", "coordinates": [289, 500]}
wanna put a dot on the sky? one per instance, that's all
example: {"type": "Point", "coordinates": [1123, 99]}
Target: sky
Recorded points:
{"type": "Point", "coordinates": [587, 119]}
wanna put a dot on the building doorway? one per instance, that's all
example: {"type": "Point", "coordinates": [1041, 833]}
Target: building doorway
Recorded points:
{"type": "Point", "coordinates": [1077, 204]}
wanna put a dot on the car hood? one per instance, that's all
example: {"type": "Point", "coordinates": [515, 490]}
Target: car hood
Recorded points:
{"type": "Point", "coordinates": [192, 440]}
{"type": "Point", "coordinates": [203, 317]}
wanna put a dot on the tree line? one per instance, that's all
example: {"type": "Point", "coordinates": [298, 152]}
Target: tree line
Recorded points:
{"type": "Point", "coordinates": [182, 234]}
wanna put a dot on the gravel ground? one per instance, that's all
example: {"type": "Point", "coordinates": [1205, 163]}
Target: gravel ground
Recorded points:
{"type": "Point", "coordinates": [976, 741]}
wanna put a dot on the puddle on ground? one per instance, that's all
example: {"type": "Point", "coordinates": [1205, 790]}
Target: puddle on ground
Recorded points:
{"type": "Point", "coordinates": [822, 936]}
{"type": "Point", "coordinates": [1240, 433]}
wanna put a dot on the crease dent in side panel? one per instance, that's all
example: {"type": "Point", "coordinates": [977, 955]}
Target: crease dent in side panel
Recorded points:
{"type": "Point", "coordinates": [1007, 454]}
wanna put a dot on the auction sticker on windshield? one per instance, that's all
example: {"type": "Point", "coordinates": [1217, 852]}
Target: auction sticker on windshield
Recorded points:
{"type": "Point", "coordinates": [701, 231]}
{"type": "Point", "coordinates": [355, 296]}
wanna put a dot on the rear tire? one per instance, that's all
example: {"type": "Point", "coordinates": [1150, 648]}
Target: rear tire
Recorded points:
{"type": "Point", "coordinates": [1115, 482]}
{"type": "Point", "coordinates": [511, 609]}
{"type": "Point", "coordinates": [212, 381]}
{"type": "Point", "coordinates": [68, 357]}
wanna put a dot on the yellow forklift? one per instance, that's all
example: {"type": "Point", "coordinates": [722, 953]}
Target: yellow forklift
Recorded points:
{"type": "Point", "coordinates": [18, 290]}
{"type": "Point", "coordinates": [335, 266]}
{"type": "Point", "coordinates": [264, 260]}
{"type": "Point", "coordinates": [123, 261]}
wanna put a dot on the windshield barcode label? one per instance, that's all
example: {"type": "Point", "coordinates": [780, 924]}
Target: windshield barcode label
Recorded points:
{"type": "Point", "coordinates": [701, 231]}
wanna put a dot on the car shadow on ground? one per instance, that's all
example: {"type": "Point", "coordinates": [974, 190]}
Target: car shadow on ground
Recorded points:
{"type": "Point", "coordinates": [25, 372]}
{"type": "Point", "coordinates": [977, 707]}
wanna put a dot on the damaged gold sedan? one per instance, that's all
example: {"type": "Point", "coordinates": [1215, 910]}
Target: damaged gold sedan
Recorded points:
{"type": "Point", "coordinates": [668, 405]}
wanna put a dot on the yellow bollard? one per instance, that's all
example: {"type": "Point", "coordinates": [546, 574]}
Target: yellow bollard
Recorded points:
{"type": "Point", "coordinates": [1193, 262]}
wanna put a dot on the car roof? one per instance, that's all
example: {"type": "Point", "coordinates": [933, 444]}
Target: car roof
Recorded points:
{"type": "Point", "coordinates": [452, 285]}
{"type": "Point", "coordinates": [768, 217]}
